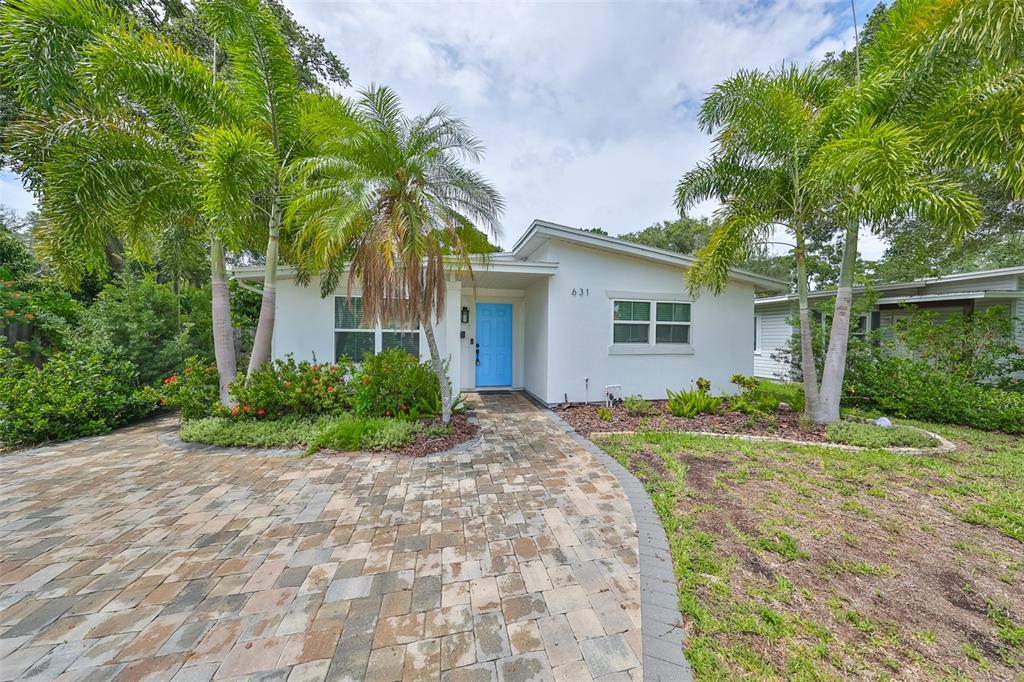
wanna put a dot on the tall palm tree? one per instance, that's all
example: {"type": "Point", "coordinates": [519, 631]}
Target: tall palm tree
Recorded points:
{"type": "Point", "coordinates": [767, 126]}
{"type": "Point", "coordinates": [785, 152]}
{"type": "Point", "coordinates": [109, 141]}
{"type": "Point", "coordinates": [393, 204]}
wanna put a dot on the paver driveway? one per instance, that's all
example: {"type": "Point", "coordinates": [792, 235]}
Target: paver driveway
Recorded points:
{"type": "Point", "coordinates": [124, 557]}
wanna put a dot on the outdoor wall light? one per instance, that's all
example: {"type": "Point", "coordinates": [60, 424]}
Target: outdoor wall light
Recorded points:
{"type": "Point", "coordinates": [465, 314]}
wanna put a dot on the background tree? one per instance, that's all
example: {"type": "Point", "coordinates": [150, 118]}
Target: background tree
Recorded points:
{"type": "Point", "coordinates": [396, 206]}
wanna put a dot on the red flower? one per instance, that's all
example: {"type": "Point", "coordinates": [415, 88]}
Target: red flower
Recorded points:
{"type": "Point", "coordinates": [171, 379]}
{"type": "Point", "coordinates": [316, 381]}
{"type": "Point", "coordinates": [330, 389]}
{"type": "Point", "coordinates": [260, 412]}
{"type": "Point", "coordinates": [234, 411]}
{"type": "Point", "coordinates": [245, 408]}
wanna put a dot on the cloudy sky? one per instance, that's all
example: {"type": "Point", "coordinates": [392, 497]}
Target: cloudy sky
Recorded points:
{"type": "Point", "coordinates": [588, 109]}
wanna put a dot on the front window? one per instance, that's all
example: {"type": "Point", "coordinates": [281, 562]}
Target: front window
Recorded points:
{"type": "Point", "coordinates": [354, 337]}
{"type": "Point", "coordinates": [633, 323]}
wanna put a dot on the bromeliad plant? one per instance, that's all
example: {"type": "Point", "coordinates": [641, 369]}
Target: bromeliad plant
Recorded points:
{"type": "Point", "coordinates": [693, 402]}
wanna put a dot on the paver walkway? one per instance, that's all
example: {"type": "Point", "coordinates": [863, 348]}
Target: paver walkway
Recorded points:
{"type": "Point", "coordinates": [122, 557]}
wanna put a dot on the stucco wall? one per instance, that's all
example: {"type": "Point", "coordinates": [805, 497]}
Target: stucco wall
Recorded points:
{"type": "Point", "coordinates": [535, 378]}
{"type": "Point", "coordinates": [580, 328]}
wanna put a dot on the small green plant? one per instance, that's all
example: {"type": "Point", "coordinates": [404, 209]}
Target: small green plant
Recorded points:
{"type": "Point", "coordinates": [753, 401]}
{"type": "Point", "coordinates": [636, 406]}
{"type": "Point", "coordinates": [604, 413]}
{"type": "Point", "coordinates": [693, 402]}
{"type": "Point", "coordinates": [286, 432]}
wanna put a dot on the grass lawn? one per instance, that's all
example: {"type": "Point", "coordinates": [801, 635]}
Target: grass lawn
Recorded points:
{"type": "Point", "coordinates": [803, 562]}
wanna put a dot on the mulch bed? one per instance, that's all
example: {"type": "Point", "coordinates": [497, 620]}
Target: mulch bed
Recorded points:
{"type": "Point", "coordinates": [462, 430]}
{"type": "Point", "coordinates": [787, 424]}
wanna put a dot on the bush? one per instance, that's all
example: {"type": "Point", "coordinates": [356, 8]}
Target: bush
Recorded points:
{"type": "Point", "coordinates": [638, 407]}
{"type": "Point", "coordinates": [394, 383]}
{"type": "Point", "coordinates": [286, 387]}
{"type": "Point", "coordinates": [791, 394]}
{"type": "Point", "coordinates": [195, 391]}
{"type": "Point", "coordinates": [282, 433]}
{"type": "Point", "coordinates": [388, 434]}
{"type": "Point", "coordinates": [871, 436]}
{"type": "Point", "coordinates": [916, 389]}
{"type": "Point", "coordinates": [72, 395]}
{"type": "Point", "coordinates": [604, 413]}
{"type": "Point", "coordinates": [137, 319]}
{"type": "Point", "coordinates": [36, 318]}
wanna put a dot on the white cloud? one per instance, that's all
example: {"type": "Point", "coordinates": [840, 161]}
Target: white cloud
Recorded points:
{"type": "Point", "coordinates": [588, 110]}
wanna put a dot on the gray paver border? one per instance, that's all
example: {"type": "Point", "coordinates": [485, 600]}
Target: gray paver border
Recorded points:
{"type": "Point", "coordinates": [661, 630]}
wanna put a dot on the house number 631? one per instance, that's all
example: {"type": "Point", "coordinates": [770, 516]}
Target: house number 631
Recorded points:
{"type": "Point", "coordinates": [581, 292]}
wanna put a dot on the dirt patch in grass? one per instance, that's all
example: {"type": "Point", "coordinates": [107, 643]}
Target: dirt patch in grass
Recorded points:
{"type": "Point", "coordinates": [821, 564]}
{"type": "Point", "coordinates": [783, 424]}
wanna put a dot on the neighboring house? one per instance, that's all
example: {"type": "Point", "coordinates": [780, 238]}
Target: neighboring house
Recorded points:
{"type": "Point", "coordinates": [964, 292]}
{"type": "Point", "coordinates": [562, 315]}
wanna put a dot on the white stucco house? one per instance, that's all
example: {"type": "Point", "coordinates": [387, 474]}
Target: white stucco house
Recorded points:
{"type": "Point", "coordinates": [562, 315]}
{"type": "Point", "coordinates": [947, 295]}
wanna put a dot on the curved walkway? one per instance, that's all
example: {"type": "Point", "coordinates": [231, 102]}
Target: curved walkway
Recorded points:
{"type": "Point", "coordinates": [124, 557]}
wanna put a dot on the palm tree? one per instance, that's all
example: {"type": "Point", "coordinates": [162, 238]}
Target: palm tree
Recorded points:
{"type": "Point", "coordinates": [790, 146]}
{"type": "Point", "coordinates": [109, 142]}
{"type": "Point", "coordinates": [766, 126]}
{"type": "Point", "coordinates": [131, 138]}
{"type": "Point", "coordinates": [393, 204]}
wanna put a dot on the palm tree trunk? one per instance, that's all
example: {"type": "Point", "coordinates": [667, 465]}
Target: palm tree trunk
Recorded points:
{"type": "Point", "coordinates": [442, 375]}
{"type": "Point", "coordinates": [223, 334]}
{"type": "Point", "coordinates": [835, 359]}
{"type": "Point", "coordinates": [808, 368]}
{"type": "Point", "coordinates": [268, 308]}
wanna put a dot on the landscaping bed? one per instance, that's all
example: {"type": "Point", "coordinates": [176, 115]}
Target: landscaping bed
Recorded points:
{"type": "Point", "coordinates": [786, 424]}
{"type": "Point", "coordinates": [808, 562]}
{"type": "Point", "coordinates": [334, 434]}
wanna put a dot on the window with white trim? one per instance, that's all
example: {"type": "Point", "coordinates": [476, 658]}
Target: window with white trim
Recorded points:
{"type": "Point", "coordinates": [633, 322]}
{"type": "Point", "coordinates": [354, 337]}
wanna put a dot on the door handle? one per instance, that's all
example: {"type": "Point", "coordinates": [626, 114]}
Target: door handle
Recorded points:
{"type": "Point", "coordinates": [478, 355]}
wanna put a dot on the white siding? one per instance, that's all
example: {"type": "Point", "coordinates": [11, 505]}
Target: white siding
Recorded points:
{"type": "Point", "coordinates": [775, 335]}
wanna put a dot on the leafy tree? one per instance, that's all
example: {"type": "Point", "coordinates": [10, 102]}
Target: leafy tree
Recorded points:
{"type": "Point", "coordinates": [683, 235]}
{"type": "Point", "coordinates": [396, 205]}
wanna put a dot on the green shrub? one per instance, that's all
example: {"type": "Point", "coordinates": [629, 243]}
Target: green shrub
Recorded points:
{"type": "Point", "coordinates": [868, 435]}
{"type": "Point", "coordinates": [638, 407]}
{"type": "Point", "coordinates": [286, 387]}
{"type": "Point", "coordinates": [73, 394]}
{"type": "Point", "coordinates": [791, 394]}
{"type": "Point", "coordinates": [392, 383]}
{"type": "Point", "coordinates": [37, 318]}
{"type": "Point", "coordinates": [692, 402]}
{"type": "Point", "coordinates": [604, 413]}
{"type": "Point", "coordinates": [753, 400]}
{"type": "Point", "coordinates": [281, 433]}
{"type": "Point", "coordinates": [916, 389]}
{"type": "Point", "coordinates": [388, 434]}
{"type": "Point", "coordinates": [137, 320]}
{"type": "Point", "coordinates": [195, 391]}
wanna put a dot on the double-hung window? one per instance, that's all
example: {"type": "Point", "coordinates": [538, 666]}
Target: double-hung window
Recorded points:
{"type": "Point", "coordinates": [355, 337]}
{"type": "Point", "coordinates": [658, 323]}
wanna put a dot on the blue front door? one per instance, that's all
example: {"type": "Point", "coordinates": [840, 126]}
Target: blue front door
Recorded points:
{"type": "Point", "coordinates": [494, 344]}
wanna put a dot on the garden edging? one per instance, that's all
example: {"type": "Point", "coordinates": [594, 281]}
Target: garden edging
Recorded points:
{"type": "Point", "coordinates": [662, 634]}
{"type": "Point", "coordinates": [943, 446]}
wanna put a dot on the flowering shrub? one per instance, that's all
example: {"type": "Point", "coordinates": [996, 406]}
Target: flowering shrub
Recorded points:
{"type": "Point", "coordinates": [71, 395]}
{"type": "Point", "coordinates": [395, 384]}
{"type": "Point", "coordinates": [194, 390]}
{"type": "Point", "coordinates": [288, 387]}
